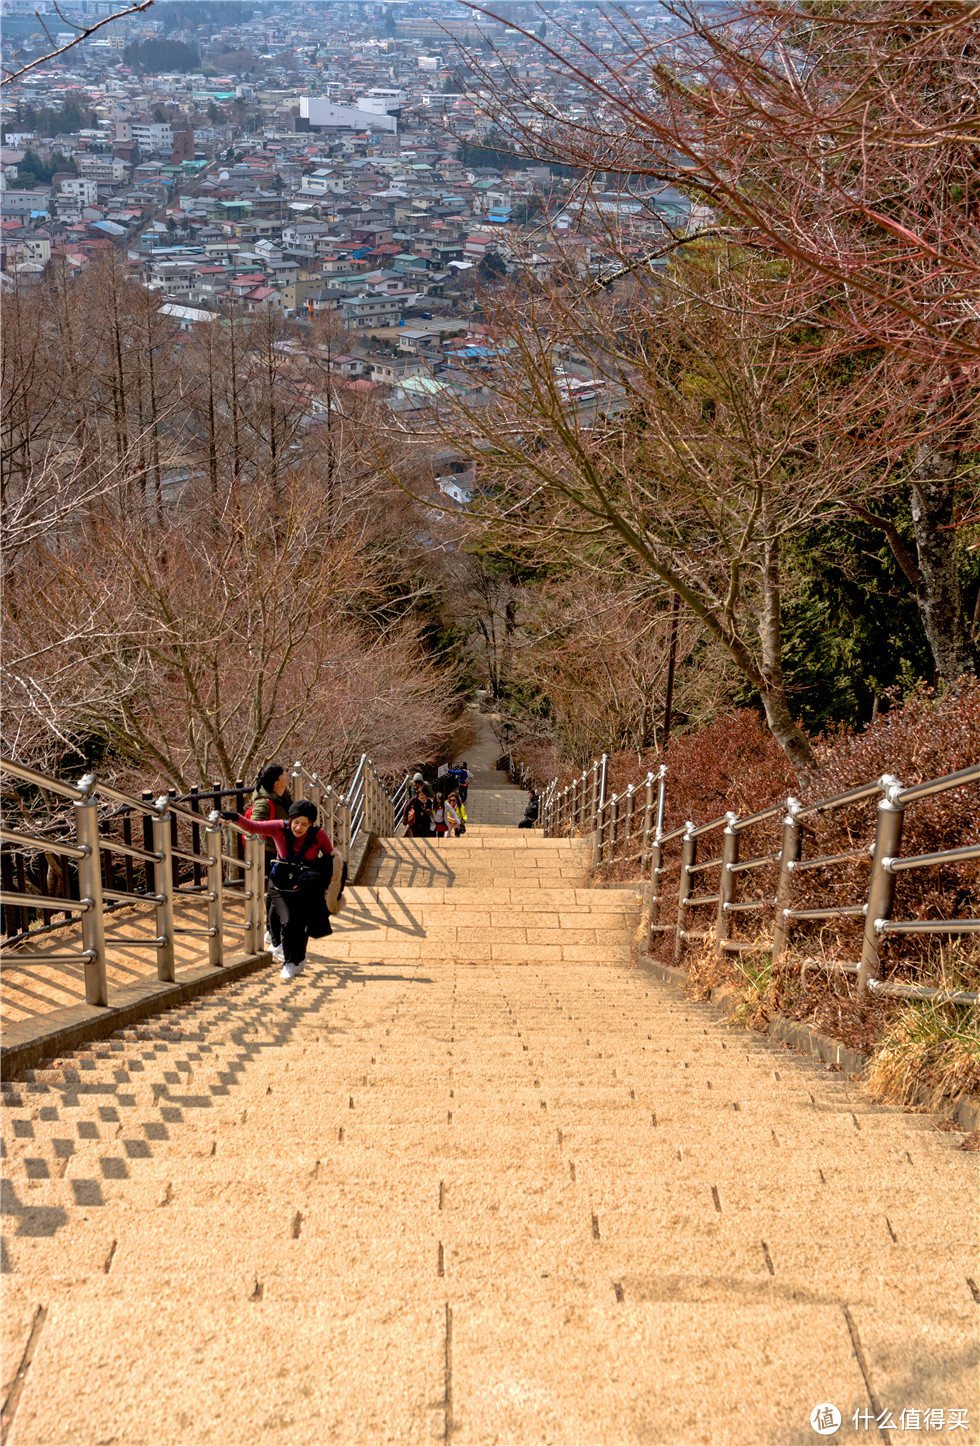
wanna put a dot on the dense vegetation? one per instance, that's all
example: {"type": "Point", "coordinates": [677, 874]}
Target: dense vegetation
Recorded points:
{"type": "Point", "coordinates": [157, 56]}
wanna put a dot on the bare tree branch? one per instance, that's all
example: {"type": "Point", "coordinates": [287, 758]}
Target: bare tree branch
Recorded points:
{"type": "Point", "coordinates": [83, 34]}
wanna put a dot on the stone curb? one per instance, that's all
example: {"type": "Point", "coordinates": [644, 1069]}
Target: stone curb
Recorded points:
{"type": "Point", "coordinates": [804, 1038]}
{"type": "Point", "coordinates": [29, 1042]}
{"type": "Point", "coordinates": [360, 854]}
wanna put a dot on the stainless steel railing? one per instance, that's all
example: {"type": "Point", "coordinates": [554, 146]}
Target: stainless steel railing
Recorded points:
{"type": "Point", "coordinates": [628, 828]}
{"type": "Point", "coordinates": [178, 855]}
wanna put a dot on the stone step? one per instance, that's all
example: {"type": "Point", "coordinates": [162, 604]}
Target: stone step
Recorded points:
{"type": "Point", "coordinates": [419, 1194]}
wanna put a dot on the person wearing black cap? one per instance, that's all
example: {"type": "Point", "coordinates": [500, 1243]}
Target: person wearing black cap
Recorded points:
{"type": "Point", "coordinates": [299, 876]}
{"type": "Point", "coordinates": [417, 813]}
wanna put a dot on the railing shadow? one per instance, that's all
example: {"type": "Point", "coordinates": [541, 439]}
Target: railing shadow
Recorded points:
{"type": "Point", "coordinates": [195, 1064]}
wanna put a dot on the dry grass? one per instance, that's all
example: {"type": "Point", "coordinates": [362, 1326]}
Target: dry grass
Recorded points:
{"type": "Point", "coordinates": [931, 1051]}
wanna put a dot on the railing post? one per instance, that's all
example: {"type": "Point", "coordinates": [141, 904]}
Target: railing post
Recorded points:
{"type": "Point", "coordinates": [652, 900]}
{"type": "Point", "coordinates": [689, 853]}
{"type": "Point", "coordinates": [653, 887]}
{"type": "Point", "coordinates": [647, 821]}
{"type": "Point", "coordinates": [254, 871]}
{"type": "Point", "coordinates": [90, 887]}
{"type": "Point", "coordinates": [789, 853]}
{"type": "Point", "coordinates": [373, 820]}
{"type": "Point", "coordinates": [598, 839]}
{"type": "Point", "coordinates": [195, 805]}
{"type": "Point", "coordinates": [726, 883]}
{"type": "Point", "coordinates": [150, 870]}
{"type": "Point", "coordinates": [881, 888]}
{"type": "Point", "coordinates": [297, 787]}
{"type": "Point", "coordinates": [174, 861]}
{"type": "Point", "coordinates": [260, 892]}
{"type": "Point", "coordinates": [612, 831]}
{"type": "Point", "coordinates": [212, 851]}
{"type": "Point", "coordinates": [164, 912]}
{"type": "Point", "coordinates": [316, 793]}
{"type": "Point", "coordinates": [602, 780]}
{"type": "Point", "coordinates": [628, 824]}
{"type": "Point", "coordinates": [238, 839]}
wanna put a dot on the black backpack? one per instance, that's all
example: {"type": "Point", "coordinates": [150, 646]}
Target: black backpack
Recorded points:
{"type": "Point", "coordinates": [292, 872]}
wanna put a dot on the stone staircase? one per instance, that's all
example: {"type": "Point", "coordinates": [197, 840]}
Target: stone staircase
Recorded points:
{"type": "Point", "coordinates": [474, 1178]}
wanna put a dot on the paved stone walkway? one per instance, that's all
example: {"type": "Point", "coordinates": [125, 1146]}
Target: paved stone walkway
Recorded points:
{"type": "Point", "coordinates": [474, 1178]}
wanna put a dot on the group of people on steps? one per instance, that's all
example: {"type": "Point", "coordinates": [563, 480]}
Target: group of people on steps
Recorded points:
{"type": "Point", "coordinates": [438, 812]}
{"type": "Point", "coordinates": [299, 866]}
{"type": "Point", "coordinates": [300, 860]}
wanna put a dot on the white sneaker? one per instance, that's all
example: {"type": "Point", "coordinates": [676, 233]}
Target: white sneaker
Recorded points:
{"type": "Point", "coordinates": [288, 972]}
{"type": "Point", "coordinates": [300, 966]}
{"type": "Point", "coordinates": [268, 940]}
{"type": "Point", "coordinates": [277, 954]}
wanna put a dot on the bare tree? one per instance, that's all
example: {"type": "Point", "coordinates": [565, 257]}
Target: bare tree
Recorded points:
{"type": "Point", "coordinates": [701, 441]}
{"type": "Point", "coordinates": [596, 651]}
{"type": "Point", "coordinates": [840, 141]}
{"type": "Point", "coordinates": [200, 646]}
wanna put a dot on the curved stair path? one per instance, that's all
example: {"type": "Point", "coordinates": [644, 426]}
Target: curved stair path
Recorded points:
{"type": "Point", "coordinates": [472, 1177]}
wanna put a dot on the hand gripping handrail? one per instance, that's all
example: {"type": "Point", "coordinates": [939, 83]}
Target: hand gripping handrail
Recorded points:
{"type": "Point", "coordinates": [214, 876]}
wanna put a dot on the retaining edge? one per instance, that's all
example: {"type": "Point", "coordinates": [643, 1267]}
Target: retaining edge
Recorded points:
{"type": "Point", "coordinates": [806, 1040]}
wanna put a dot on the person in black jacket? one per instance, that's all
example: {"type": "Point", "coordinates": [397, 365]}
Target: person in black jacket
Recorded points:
{"type": "Point", "coordinates": [417, 814]}
{"type": "Point", "coordinates": [531, 811]}
{"type": "Point", "coordinates": [298, 879]}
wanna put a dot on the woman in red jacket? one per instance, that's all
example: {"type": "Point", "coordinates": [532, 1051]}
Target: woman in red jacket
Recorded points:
{"type": "Point", "coordinates": [298, 878]}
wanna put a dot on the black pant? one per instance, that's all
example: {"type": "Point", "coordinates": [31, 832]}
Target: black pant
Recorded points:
{"type": "Point", "coordinates": [294, 914]}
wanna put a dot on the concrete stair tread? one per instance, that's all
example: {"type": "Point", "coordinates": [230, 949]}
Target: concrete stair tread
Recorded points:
{"type": "Point", "coordinates": [471, 1177]}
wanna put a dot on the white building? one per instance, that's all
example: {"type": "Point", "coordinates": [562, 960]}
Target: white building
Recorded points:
{"type": "Point", "coordinates": [104, 170]}
{"type": "Point", "coordinates": [381, 101]}
{"type": "Point", "coordinates": [83, 189]}
{"type": "Point", "coordinates": [323, 113]}
{"type": "Point", "coordinates": [153, 137]}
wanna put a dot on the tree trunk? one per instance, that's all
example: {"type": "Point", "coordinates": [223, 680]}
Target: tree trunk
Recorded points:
{"type": "Point", "coordinates": [939, 593]}
{"type": "Point", "coordinates": [791, 739]}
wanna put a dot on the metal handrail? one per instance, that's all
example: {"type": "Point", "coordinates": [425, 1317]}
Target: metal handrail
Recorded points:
{"type": "Point", "coordinates": [823, 861]}
{"type": "Point", "coordinates": [41, 780]}
{"type": "Point", "coordinates": [940, 785]}
{"type": "Point", "coordinates": [45, 901]}
{"type": "Point", "coordinates": [922, 861]}
{"type": "Point", "coordinates": [368, 805]}
{"type": "Point", "coordinates": [709, 827]}
{"type": "Point", "coordinates": [746, 865]}
{"type": "Point", "coordinates": [840, 800]}
{"type": "Point", "coordinates": [612, 819]}
{"type": "Point", "coordinates": [32, 841]}
{"type": "Point", "coordinates": [146, 855]}
{"type": "Point", "coordinates": [763, 816]}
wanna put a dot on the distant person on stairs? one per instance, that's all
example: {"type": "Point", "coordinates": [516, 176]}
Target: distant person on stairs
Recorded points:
{"type": "Point", "coordinates": [531, 811]}
{"type": "Point", "coordinates": [270, 799]}
{"type": "Point", "coordinates": [455, 815]}
{"type": "Point", "coordinates": [300, 874]}
{"type": "Point", "coordinates": [417, 814]}
{"type": "Point", "coordinates": [465, 779]}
